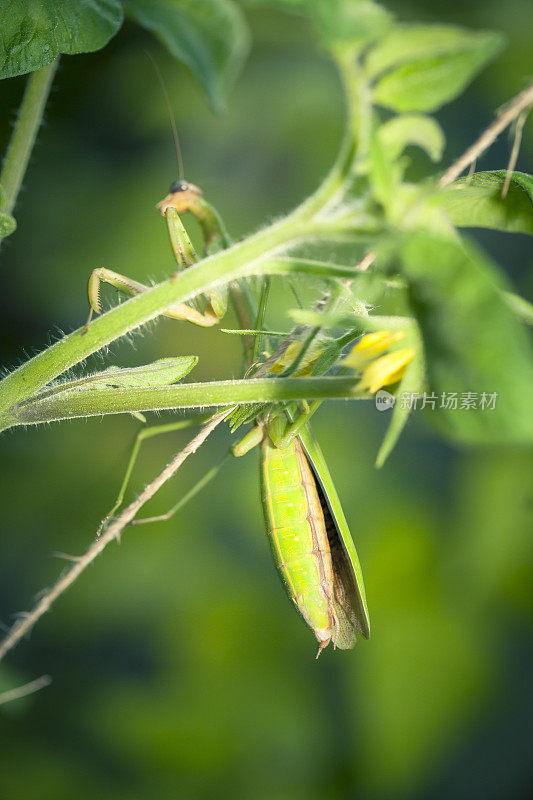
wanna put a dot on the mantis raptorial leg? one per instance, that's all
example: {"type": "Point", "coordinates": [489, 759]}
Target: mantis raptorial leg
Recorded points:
{"type": "Point", "coordinates": [183, 197]}
{"type": "Point", "coordinates": [179, 311]}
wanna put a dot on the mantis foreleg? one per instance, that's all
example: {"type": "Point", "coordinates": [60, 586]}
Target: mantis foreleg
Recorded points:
{"type": "Point", "coordinates": [185, 256]}
{"type": "Point", "coordinates": [127, 285]}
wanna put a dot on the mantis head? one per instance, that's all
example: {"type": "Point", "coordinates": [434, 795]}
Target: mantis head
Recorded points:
{"type": "Point", "coordinates": [181, 196]}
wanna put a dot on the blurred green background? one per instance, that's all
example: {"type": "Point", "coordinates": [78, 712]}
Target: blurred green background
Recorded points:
{"type": "Point", "coordinates": [179, 668]}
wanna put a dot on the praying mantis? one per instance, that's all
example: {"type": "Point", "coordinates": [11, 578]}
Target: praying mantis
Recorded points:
{"type": "Point", "coordinates": [308, 533]}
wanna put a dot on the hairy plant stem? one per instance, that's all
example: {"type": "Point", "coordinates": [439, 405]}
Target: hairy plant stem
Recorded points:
{"type": "Point", "coordinates": [358, 100]}
{"type": "Point", "coordinates": [24, 133]}
{"type": "Point", "coordinates": [90, 402]}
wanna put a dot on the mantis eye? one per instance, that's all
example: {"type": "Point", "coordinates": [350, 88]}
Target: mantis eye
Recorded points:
{"type": "Point", "coordinates": [178, 186]}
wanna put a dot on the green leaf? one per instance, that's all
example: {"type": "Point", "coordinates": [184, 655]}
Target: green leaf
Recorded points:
{"type": "Point", "coordinates": [8, 224]}
{"type": "Point", "coordinates": [210, 37]}
{"type": "Point", "coordinates": [477, 202]}
{"type": "Point", "coordinates": [385, 168]}
{"type": "Point", "coordinates": [162, 372]}
{"type": "Point", "coordinates": [409, 44]}
{"type": "Point", "coordinates": [34, 32]}
{"type": "Point", "coordinates": [412, 129]}
{"type": "Point", "coordinates": [419, 68]}
{"type": "Point", "coordinates": [412, 383]}
{"type": "Point", "coordinates": [340, 23]}
{"type": "Point", "coordinates": [473, 341]}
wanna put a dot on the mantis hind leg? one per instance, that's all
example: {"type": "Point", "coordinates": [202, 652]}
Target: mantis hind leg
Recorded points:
{"type": "Point", "coordinates": [142, 434]}
{"type": "Point", "coordinates": [204, 480]}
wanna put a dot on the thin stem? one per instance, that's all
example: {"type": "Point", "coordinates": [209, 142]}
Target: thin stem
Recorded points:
{"type": "Point", "coordinates": [114, 531]}
{"type": "Point", "coordinates": [253, 332]}
{"type": "Point", "coordinates": [513, 110]}
{"type": "Point", "coordinates": [259, 320]}
{"type": "Point", "coordinates": [26, 689]}
{"type": "Point", "coordinates": [521, 121]}
{"type": "Point", "coordinates": [242, 307]}
{"type": "Point", "coordinates": [24, 133]}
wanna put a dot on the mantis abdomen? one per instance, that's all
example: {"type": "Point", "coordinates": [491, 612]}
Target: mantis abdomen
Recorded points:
{"type": "Point", "coordinates": [298, 535]}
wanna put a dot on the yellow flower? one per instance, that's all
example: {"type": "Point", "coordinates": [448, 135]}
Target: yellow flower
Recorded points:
{"type": "Point", "coordinates": [386, 370]}
{"type": "Point", "coordinates": [377, 367]}
{"type": "Point", "coordinates": [370, 346]}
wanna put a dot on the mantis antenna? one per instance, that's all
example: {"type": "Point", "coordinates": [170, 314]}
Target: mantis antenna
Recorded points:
{"type": "Point", "coordinates": [183, 196]}
{"type": "Point", "coordinates": [175, 136]}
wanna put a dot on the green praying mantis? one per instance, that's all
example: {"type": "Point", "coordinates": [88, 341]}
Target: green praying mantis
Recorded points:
{"type": "Point", "coordinates": [306, 527]}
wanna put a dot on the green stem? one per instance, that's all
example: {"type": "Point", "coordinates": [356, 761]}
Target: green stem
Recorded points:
{"type": "Point", "coordinates": [24, 133]}
{"type": "Point", "coordinates": [89, 402]}
{"type": "Point", "coordinates": [358, 100]}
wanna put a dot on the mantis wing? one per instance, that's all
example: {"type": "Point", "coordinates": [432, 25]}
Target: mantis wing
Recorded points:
{"type": "Point", "coordinates": [352, 582]}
